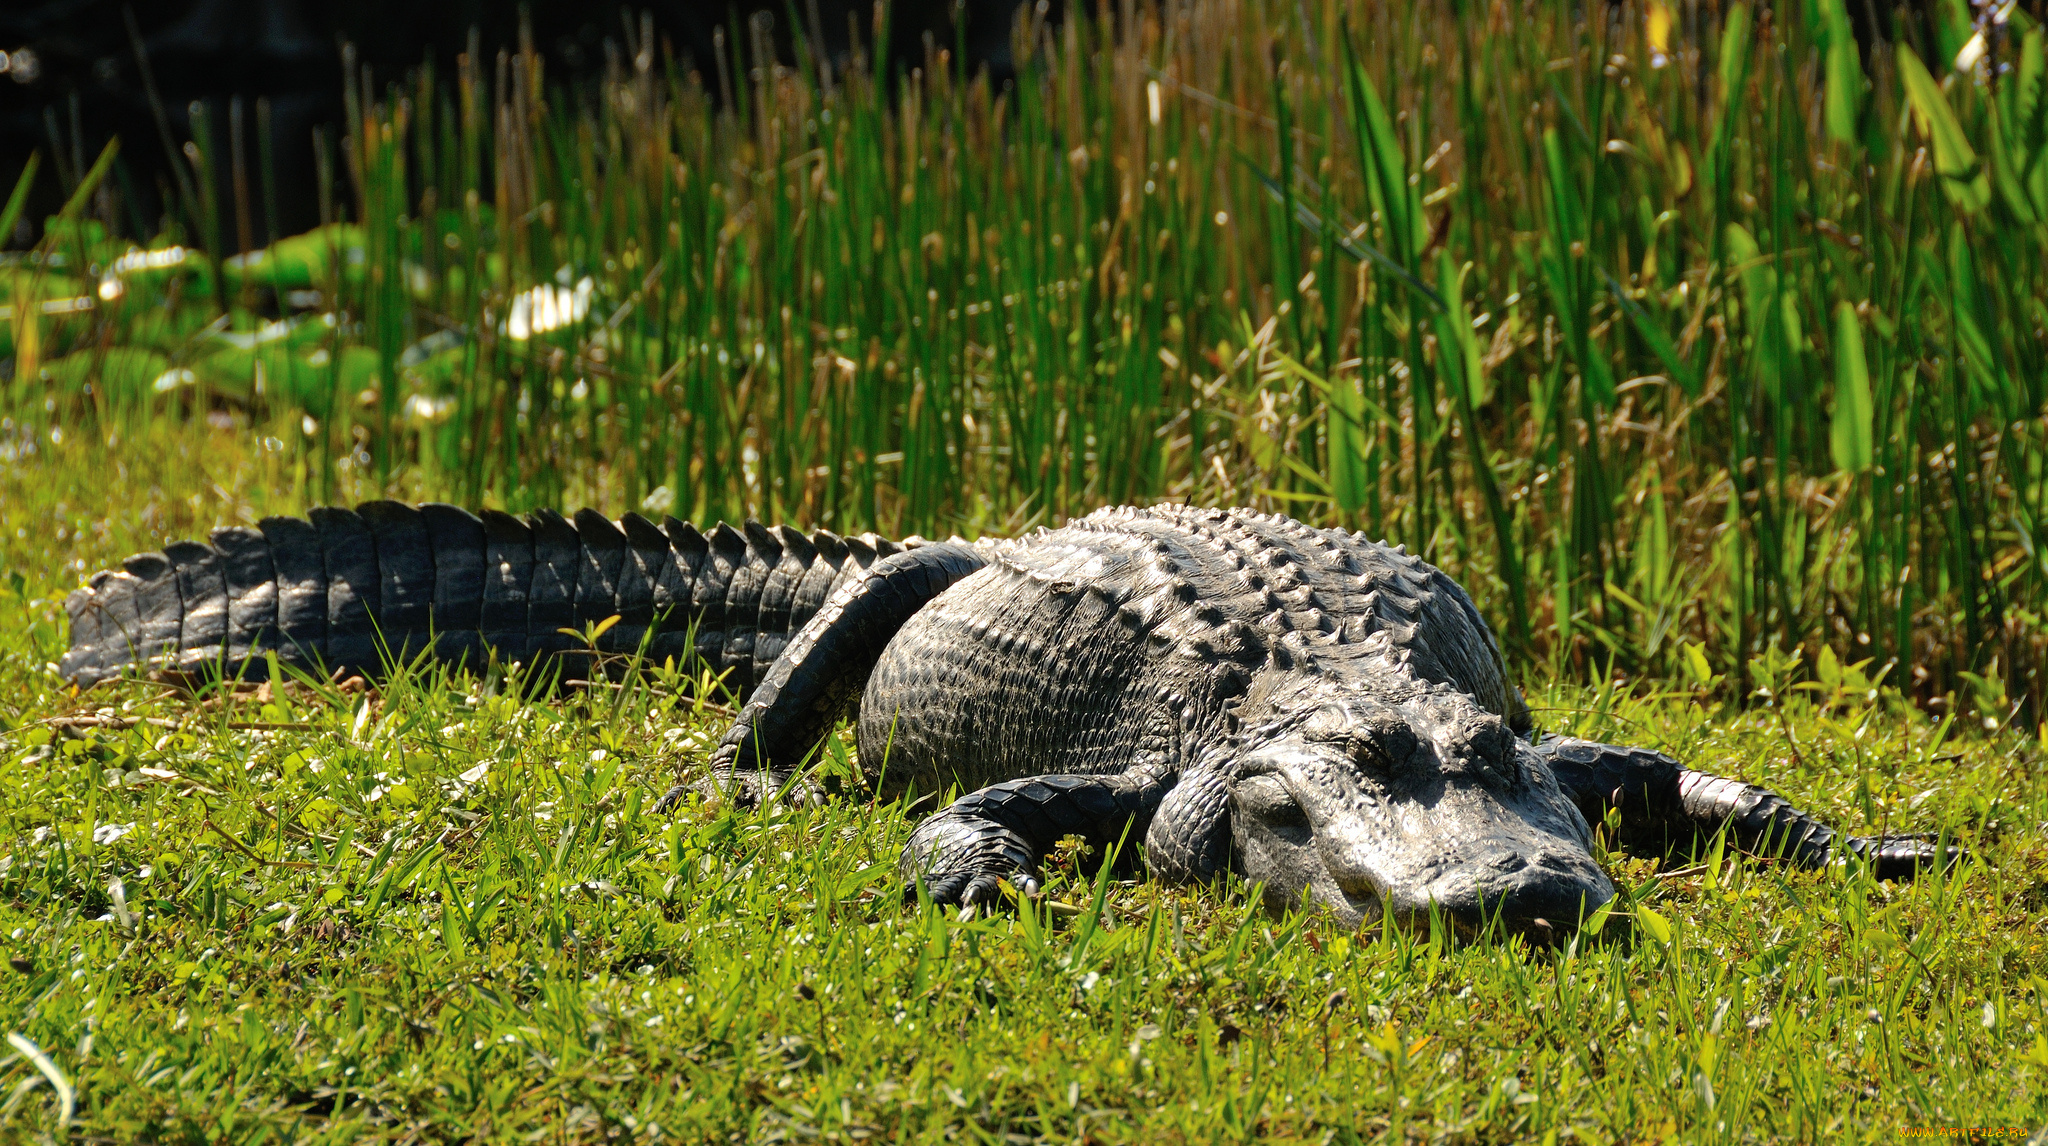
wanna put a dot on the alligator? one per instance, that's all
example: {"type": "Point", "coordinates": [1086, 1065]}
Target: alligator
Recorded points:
{"type": "Point", "coordinates": [1328, 717]}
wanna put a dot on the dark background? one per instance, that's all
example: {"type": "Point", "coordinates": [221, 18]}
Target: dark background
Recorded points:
{"type": "Point", "coordinates": [86, 84]}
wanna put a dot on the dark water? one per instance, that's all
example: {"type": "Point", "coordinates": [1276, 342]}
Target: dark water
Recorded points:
{"type": "Point", "coordinates": [83, 81]}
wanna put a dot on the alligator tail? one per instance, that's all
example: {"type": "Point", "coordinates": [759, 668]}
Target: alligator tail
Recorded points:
{"type": "Point", "coordinates": [1758, 820]}
{"type": "Point", "coordinates": [356, 590]}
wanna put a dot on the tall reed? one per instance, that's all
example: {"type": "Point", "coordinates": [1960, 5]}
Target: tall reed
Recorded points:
{"type": "Point", "coordinates": [1661, 325]}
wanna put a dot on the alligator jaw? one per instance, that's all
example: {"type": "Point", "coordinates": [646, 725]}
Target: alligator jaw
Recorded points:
{"type": "Point", "coordinates": [1461, 820]}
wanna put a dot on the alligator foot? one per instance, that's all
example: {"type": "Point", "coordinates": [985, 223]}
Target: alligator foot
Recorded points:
{"type": "Point", "coordinates": [1000, 832]}
{"type": "Point", "coordinates": [961, 860]}
{"type": "Point", "coordinates": [671, 798]}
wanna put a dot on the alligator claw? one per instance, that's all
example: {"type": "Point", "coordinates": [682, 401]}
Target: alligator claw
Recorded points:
{"type": "Point", "coordinates": [963, 861]}
{"type": "Point", "coordinates": [746, 790]}
{"type": "Point", "coordinates": [972, 889]}
{"type": "Point", "coordinates": [670, 799]}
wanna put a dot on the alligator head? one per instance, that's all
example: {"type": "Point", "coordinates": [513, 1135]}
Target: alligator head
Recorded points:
{"type": "Point", "coordinates": [1372, 805]}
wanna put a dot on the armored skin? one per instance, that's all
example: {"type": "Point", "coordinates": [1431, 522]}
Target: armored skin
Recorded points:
{"type": "Point", "coordinates": [1326, 716]}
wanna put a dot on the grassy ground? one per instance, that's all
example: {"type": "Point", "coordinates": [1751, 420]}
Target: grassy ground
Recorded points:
{"type": "Point", "coordinates": [433, 912]}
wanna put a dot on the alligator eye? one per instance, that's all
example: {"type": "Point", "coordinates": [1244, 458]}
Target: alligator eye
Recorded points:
{"type": "Point", "coordinates": [1383, 746]}
{"type": "Point", "coordinates": [1266, 798]}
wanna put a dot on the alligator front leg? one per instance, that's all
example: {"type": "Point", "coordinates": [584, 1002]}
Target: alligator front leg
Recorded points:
{"type": "Point", "coordinates": [1666, 807]}
{"type": "Point", "coordinates": [819, 675]}
{"type": "Point", "coordinates": [1003, 831]}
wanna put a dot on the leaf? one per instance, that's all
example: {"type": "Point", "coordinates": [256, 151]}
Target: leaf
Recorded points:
{"type": "Point", "coordinates": [1379, 149]}
{"type": "Point", "coordinates": [2027, 150]}
{"type": "Point", "coordinates": [1975, 325]}
{"type": "Point", "coordinates": [1828, 667]}
{"type": "Point", "coordinates": [1845, 81]}
{"type": "Point", "coordinates": [2015, 139]}
{"type": "Point", "coordinates": [2024, 90]}
{"type": "Point", "coordinates": [1454, 331]}
{"type": "Point", "coordinates": [1733, 70]}
{"type": "Point", "coordinates": [1962, 173]}
{"type": "Point", "coordinates": [2007, 158]}
{"type": "Point", "coordinates": [1777, 342]}
{"type": "Point", "coordinates": [1850, 433]}
{"type": "Point", "coordinates": [1598, 920]}
{"type": "Point", "coordinates": [1955, 25]}
{"type": "Point", "coordinates": [1696, 665]}
{"type": "Point", "coordinates": [1564, 257]}
{"type": "Point", "coordinates": [1654, 924]}
{"type": "Point", "coordinates": [1734, 52]}
{"type": "Point", "coordinates": [15, 202]}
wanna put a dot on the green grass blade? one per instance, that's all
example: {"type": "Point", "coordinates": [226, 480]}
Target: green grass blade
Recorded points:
{"type": "Point", "coordinates": [1850, 428]}
{"type": "Point", "coordinates": [11, 214]}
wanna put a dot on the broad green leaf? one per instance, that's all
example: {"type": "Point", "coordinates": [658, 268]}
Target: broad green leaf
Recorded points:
{"type": "Point", "coordinates": [1760, 297]}
{"type": "Point", "coordinates": [1954, 25]}
{"type": "Point", "coordinates": [2029, 120]}
{"type": "Point", "coordinates": [1734, 71]}
{"type": "Point", "coordinates": [1976, 323]}
{"type": "Point", "coordinates": [1379, 148]}
{"type": "Point", "coordinates": [1734, 52]}
{"type": "Point", "coordinates": [1827, 667]}
{"type": "Point", "coordinates": [2021, 92]}
{"type": "Point", "coordinates": [2008, 158]}
{"type": "Point", "coordinates": [1349, 446]}
{"type": "Point", "coordinates": [1460, 348]}
{"type": "Point", "coordinates": [1653, 924]}
{"type": "Point", "coordinates": [1845, 89]}
{"type": "Point", "coordinates": [1850, 433]}
{"type": "Point", "coordinates": [2015, 139]}
{"type": "Point", "coordinates": [1845, 82]}
{"type": "Point", "coordinates": [1565, 270]}
{"type": "Point", "coordinates": [1754, 271]}
{"type": "Point", "coordinates": [1598, 920]}
{"type": "Point", "coordinates": [1695, 661]}
{"type": "Point", "coordinates": [1962, 173]}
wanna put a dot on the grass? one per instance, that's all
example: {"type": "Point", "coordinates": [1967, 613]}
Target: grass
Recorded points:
{"type": "Point", "coordinates": [1688, 326]}
{"type": "Point", "coordinates": [435, 913]}
{"type": "Point", "coordinates": [1700, 347]}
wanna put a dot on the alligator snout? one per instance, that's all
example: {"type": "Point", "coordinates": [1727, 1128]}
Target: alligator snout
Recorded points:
{"type": "Point", "coordinates": [1471, 829]}
{"type": "Point", "coordinates": [1543, 899]}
